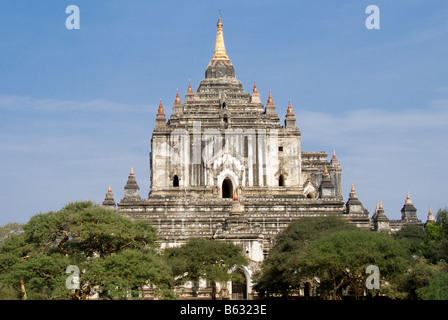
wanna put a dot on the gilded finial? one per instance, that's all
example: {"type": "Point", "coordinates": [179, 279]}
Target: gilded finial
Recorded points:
{"type": "Point", "coordinates": [334, 154]}
{"type": "Point", "coordinates": [430, 216]}
{"type": "Point", "coordinates": [408, 198]}
{"type": "Point", "coordinates": [381, 205]}
{"type": "Point", "coordinates": [220, 49]}
{"type": "Point", "coordinates": [132, 171]}
{"type": "Point", "coordinates": [376, 208]}
{"type": "Point", "coordinates": [161, 111]}
{"type": "Point", "coordinates": [109, 190]}
{"type": "Point", "coordinates": [235, 196]}
{"type": "Point", "coordinates": [189, 90]}
{"type": "Point", "coordinates": [270, 100]}
{"type": "Point", "coordinates": [177, 100]}
{"type": "Point", "coordinates": [289, 111]}
{"type": "Point", "coordinates": [255, 88]}
{"type": "Point", "coordinates": [353, 188]}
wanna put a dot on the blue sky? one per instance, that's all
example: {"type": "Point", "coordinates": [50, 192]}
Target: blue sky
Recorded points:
{"type": "Point", "coordinates": [77, 107]}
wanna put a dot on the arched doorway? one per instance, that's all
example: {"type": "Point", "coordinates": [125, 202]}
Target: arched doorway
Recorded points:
{"type": "Point", "coordinates": [281, 181]}
{"type": "Point", "coordinates": [239, 285]}
{"type": "Point", "coordinates": [175, 181]}
{"type": "Point", "coordinates": [227, 189]}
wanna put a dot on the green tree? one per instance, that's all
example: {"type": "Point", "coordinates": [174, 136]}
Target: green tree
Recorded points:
{"type": "Point", "coordinates": [435, 246]}
{"type": "Point", "coordinates": [113, 255]}
{"type": "Point", "coordinates": [10, 229]}
{"type": "Point", "coordinates": [437, 289]}
{"type": "Point", "coordinates": [340, 260]}
{"type": "Point", "coordinates": [413, 236]}
{"type": "Point", "coordinates": [281, 271]}
{"type": "Point", "coordinates": [419, 275]}
{"type": "Point", "coordinates": [210, 260]}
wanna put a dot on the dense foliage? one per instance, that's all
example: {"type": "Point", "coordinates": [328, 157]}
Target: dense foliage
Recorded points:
{"type": "Point", "coordinates": [205, 259]}
{"type": "Point", "coordinates": [332, 256]}
{"type": "Point", "coordinates": [108, 255]}
{"type": "Point", "coordinates": [84, 250]}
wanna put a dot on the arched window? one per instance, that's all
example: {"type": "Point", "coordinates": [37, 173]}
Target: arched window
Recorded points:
{"type": "Point", "coordinates": [227, 189]}
{"type": "Point", "coordinates": [175, 181]}
{"type": "Point", "coordinates": [281, 181]}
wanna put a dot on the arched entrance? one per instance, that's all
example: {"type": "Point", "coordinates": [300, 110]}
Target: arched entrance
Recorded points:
{"type": "Point", "coordinates": [175, 181]}
{"type": "Point", "coordinates": [239, 285]}
{"type": "Point", "coordinates": [227, 189]}
{"type": "Point", "coordinates": [281, 181]}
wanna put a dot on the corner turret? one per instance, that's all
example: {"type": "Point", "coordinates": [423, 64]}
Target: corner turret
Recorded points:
{"type": "Point", "coordinates": [131, 189]}
{"type": "Point", "coordinates": [109, 201]}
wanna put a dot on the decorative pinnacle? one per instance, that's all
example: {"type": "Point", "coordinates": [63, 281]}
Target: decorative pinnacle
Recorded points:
{"type": "Point", "coordinates": [334, 154]}
{"type": "Point", "coordinates": [161, 111]}
{"type": "Point", "coordinates": [376, 208]}
{"type": "Point", "coordinates": [430, 215]}
{"type": "Point", "coordinates": [220, 49]}
{"type": "Point", "coordinates": [289, 111]}
{"type": "Point", "coordinates": [353, 188]}
{"type": "Point", "coordinates": [235, 196]}
{"type": "Point", "coordinates": [177, 100]}
{"type": "Point", "coordinates": [109, 190]}
{"type": "Point", "coordinates": [270, 101]}
{"type": "Point", "coordinates": [189, 90]}
{"type": "Point", "coordinates": [381, 205]}
{"type": "Point", "coordinates": [132, 171]}
{"type": "Point", "coordinates": [255, 88]}
{"type": "Point", "coordinates": [408, 199]}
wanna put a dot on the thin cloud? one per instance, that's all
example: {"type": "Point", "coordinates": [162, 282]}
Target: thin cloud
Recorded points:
{"type": "Point", "coordinates": [20, 103]}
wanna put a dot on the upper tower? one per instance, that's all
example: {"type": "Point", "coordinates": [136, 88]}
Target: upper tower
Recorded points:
{"type": "Point", "coordinates": [409, 212]}
{"type": "Point", "coordinates": [220, 73]}
{"type": "Point", "coordinates": [221, 139]}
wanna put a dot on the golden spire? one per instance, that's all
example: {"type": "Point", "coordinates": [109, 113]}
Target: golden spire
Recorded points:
{"type": "Point", "coordinates": [161, 111]}
{"type": "Point", "coordinates": [334, 154]}
{"type": "Point", "coordinates": [255, 88]}
{"type": "Point", "coordinates": [109, 190]}
{"type": "Point", "coordinates": [381, 205]}
{"type": "Point", "coordinates": [289, 111]}
{"type": "Point", "coordinates": [220, 49]}
{"type": "Point", "coordinates": [353, 188]}
{"type": "Point", "coordinates": [430, 216]}
{"type": "Point", "coordinates": [270, 101]}
{"type": "Point", "coordinates": [132, 171]}
{"type": "Point", "coordinates": [189, 90]}
{"type": "Point", "coordinates": [376, 208]}
{"type": "Point", "coordinates": [408, 199]}
{"type": "Point", "coordinates": [177, 100]}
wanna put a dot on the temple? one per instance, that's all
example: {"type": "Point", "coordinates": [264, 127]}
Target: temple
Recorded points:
{"type": "Point", "coordinates": [224, 166]}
